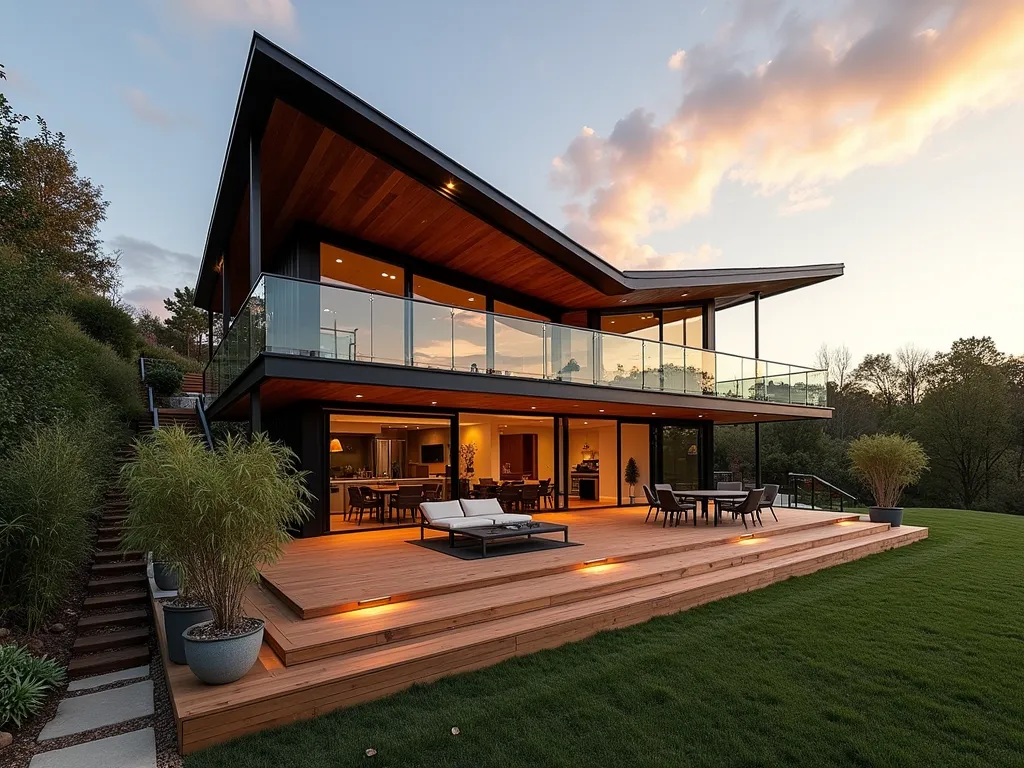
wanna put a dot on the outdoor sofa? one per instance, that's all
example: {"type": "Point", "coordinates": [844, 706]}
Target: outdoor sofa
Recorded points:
{"type": "Point", "coordinates": [456, 515]}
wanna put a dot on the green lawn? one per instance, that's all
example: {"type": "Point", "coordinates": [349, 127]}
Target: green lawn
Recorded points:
{"type": "Point", "coordinates": [910, 657]}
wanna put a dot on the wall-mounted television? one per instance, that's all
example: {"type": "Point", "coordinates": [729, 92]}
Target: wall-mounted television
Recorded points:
{"type": "Point", "coordinates": [432, 454]}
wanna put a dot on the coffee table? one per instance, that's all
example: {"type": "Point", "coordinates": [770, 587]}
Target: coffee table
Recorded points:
{"type": "Point", "coordinates": [484, 534]}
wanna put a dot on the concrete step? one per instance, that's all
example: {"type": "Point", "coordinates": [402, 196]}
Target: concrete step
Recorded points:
{"type": "Point", "coordinates": [95, 710]}
{"type": "Point", "coordinates": [135, 749]}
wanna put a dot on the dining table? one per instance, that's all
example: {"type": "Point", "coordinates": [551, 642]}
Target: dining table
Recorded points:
{"type": "Point", "coordinates": [706, 496]}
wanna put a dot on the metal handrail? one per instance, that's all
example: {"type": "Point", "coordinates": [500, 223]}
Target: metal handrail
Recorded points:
{"type": "Point", "coordinates": [201, 413]}
{"type": "Point", "coordinates": [815, 481]}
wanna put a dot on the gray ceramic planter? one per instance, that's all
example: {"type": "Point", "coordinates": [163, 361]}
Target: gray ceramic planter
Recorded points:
{"type": "Point", "coordinates": [176, 621]}
{"type": "Point", "coordinates": [166, 579]}
{"type": "Point", "coordinates": [223, 660]}
{"type": "Point", "coordinates": [891, 515]}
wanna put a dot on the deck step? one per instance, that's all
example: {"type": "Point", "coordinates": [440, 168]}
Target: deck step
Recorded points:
{"type": "Point", "coordinates": [115, 568]}
{"type": "Point", "coordinates": [114, 555]}
{"type": "Point", "coordinates": [109, 641]}
{"type": "Point", "coordinates": [117, 600]}
{"type": "Point", "coordinates": [261, 700]}
{"type": "Point", "coordinates": [109, 661]}
{"type": "Point", "coordinates": [118, 619]}
{"type": "Point", "coordinates": [109, 531]}
{"type": "Point", "coordinates": [115, 583]}
{"type": "Point", "coordinates": [108, 542]}
{"type": "Point", "coordinates": [330, 635]}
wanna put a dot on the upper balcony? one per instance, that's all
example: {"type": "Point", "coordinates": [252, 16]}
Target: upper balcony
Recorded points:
{"type": "Point", "coordinates": [307, 319]}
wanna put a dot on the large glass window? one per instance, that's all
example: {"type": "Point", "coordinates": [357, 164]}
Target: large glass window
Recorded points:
{"type": "Point", "coordinates": [496, 450]}
{"type": "Point", "coordinates": [636, 445]}
{"type": "Point", "coordinates": [679, 457]}
{"type": "Point", "coordinates": [684, 327]}
{"type": "Point", "coordinates": [343, 267]}
{"type": "Point", "coordinates": [431, 290]}
{"type": "Point", "coordinates": [593, 463]}
{"type": "Point", "coordinates": [510, 309]}
{"type": "Point", "coordinates": [639, 325]}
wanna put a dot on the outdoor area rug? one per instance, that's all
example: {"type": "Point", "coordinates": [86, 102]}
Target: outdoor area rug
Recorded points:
{"type": "Point", "coordinates": [470, 550]}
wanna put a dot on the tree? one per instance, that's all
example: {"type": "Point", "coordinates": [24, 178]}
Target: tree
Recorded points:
{"type": "Point", "coordinates": [48, 212]}
{"type": "Point", "coordinates": [187, 321]}
{"type": "Point", "coordinates": [965, 418]}
{"type": "Point", "coordinates": [912, 364]}
{"type": "Point", "coordinates": [881, 377]}
{"type": "Point", "coordinates": [836, 362]}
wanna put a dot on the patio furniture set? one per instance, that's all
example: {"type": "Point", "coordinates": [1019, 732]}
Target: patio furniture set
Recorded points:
{"type": "Point", "coordinates": [389, 500]}
{"type": "Point", "coordinates": [482, 520]}
{"type": "Point", "coordinates": [516, 494]}
{"type": "Point", "coordinates": [727, 496]}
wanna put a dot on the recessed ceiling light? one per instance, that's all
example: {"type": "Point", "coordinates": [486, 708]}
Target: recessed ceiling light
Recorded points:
{"type": "Point", "coordinates": [684, 294]}
{"type": "Point", "coordinates": [358, 395]}
{"type": "Point", "coordinates": [622, 301]}
{"type": "Point", "coordinates": [327, 310]}
{"type": "Point", "coordinates": [383, 274]}
{"type": "Point", "coordinates": [433, 402]}
{"type": "Point", "coordinates": [653, 413]}
{"type": "Point", "coordinates": [450, 184]}
{"type": "Point", "coordinates": [700, 416]}
{"type": "Point", "coordinates": [600, 410]}
{"type": "Point", "coordinates": [533, 407]}
{"type": "Point", "coordinates": [471, 298]}
{"type": "Point", "coordinates": [339, 261]}
{"type": "Point", "coordinates": [612, 322]}
{"type": "Point", "coordinates": [392, 277]}
{"type": "Point", "coordinates": [585, 423]}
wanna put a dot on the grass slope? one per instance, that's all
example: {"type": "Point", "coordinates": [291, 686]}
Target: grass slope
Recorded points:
{"type": "Point", "coordinates": [910, 657]}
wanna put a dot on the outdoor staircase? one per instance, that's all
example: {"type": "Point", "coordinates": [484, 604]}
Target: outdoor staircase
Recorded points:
{"type": "Point", "coordinates": [113, 631]}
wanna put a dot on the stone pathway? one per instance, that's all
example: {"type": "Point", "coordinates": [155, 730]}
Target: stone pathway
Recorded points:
{"type": "Point", "coordinates": [92, 708]}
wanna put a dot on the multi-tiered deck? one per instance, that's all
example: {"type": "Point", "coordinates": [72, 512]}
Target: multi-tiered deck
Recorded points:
{"type": "Point", "coordinates": [356, 617]}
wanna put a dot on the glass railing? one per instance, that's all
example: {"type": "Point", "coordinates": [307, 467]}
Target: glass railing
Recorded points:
{"type": "Point", "coordinates": [296, 317]}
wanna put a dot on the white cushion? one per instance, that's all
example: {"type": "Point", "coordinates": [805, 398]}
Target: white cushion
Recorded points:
{"type": "Point", "coordinates": [457, 523]}
{"type": "Point", "coordinates": [509, 519]}
{"type": "Point", "coordinates": [437, 510]}
{"type": "Point", "coordinates": [481, 507]}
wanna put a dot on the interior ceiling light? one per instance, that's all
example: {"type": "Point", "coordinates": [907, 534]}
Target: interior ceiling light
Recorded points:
{"type": "Point", "coordinates": [533, 407]}
{"type": "Point", "coordinates": [433, 402]}
{"type": "Point", "coordinates": [600, 410]}
{"type": "Point", "coordinates": [358, 395]}
{"type": "Point", "coordinates": [392, 277]}
{"type": "Point", "coordinates": [339, 261]}
{"type": "Point", "coordinates": [622, 301]}
{"type": "Point", "coordinates": [471, 298]}
{"type": "Point", "coordinates": [383, 274]}
{"type": "Point", "coordinates": [684, 294]}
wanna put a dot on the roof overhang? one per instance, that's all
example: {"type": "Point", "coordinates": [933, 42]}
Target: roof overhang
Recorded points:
{"type": "Point", "coordinates": [274, 75]}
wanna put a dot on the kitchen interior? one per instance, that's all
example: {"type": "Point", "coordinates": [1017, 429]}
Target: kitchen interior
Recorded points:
{"type": "Point", "coordinates": [384, 453]}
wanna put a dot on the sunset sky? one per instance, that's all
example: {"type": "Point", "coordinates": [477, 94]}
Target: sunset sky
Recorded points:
{"type": "Point", "coordinates": [885, 135]}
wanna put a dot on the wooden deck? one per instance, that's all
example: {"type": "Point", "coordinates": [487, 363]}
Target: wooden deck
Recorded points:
{"type": "Point", "coordinates": [426, 614]}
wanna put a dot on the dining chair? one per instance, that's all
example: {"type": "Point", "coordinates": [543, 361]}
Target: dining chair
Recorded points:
{"type": "Point", "coordinates": [360, 502]}
{"type": "Point", "coordinates": [771, 492]}
{"type": "Point", "coordinates": [547, 493]}
{"type": "Point", "coordinates": [729, 486]}
{"type": "Point", "coordinates": [408, 499]}
{"type": "Point", "coordinates": [672, 507]}
{"type": "Point", "coordinates": [529, 497]}
{"type": "Point", "coordinates": [750, 506]}
{"type": "Point", "coordinates": [653, 505]}
{"type": "Point", "coordinates": [508, 497]}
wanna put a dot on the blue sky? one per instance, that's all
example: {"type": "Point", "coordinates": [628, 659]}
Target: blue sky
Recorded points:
{"type": "Point", "coordinates": [905, 163]}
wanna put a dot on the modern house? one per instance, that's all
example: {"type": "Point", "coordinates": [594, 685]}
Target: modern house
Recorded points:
{"type": "Point", "coordinates": [385, 311]}
{"type": "Point", "coordinates": [401, 324]}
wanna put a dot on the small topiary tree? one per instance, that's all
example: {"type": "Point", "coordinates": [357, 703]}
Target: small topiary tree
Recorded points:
{"type": "Point", "coordinates": [164, 377]}
{"type": "Point", "coordinates": [632, 477]}
{"type": "Point", "coordinates": [888, 464]}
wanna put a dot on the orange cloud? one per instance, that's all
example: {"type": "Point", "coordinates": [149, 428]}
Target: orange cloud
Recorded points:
{"type": "Point", "coordinates": [866, 87]}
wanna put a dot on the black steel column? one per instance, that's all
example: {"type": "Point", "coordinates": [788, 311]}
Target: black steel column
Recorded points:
{"type": "Point", "coordinates": [255, 214]}
{"type": "Point", "coordinates": [454, 457]}
{"type": "Point", "coordinates": [225, 297]}
{"type": "Point", "coordinates": [255, 411]}
{"type": "Point", "coordinates": [556, 439]}
{"type": "Point", "coordinates": [407, 318]}
{"type": "Point", "coordinates": [489, 362]}
{"type": "Point", "coordinates": [618, 461]}
{"type": "Point", "coordinates": [757, 354]}
{"type": "Point", "coordinates": [567, 484]}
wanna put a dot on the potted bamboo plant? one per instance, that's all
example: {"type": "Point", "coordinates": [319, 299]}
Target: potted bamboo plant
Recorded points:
{"type": "Point", "coordinates": [157, 482]}
{"type": "Point", "coordinates": [234, 508]}
{"type": "Point", "coordinates": [632, 477]}
{"type": "Point", "coordinates": [888, 464]}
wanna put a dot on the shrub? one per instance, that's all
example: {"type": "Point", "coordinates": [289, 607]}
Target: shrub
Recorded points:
{"type": "Point", "coordinates": [50, 485]}
{"type": "Point", "coordinates": [158, 352]}
{"type": "Point", "coordinates": [218, 515]}
{"type": "Point", "coordinates": [164, 377]}
{"type": "Point", "coordinates": [888, 464]}
{"type": "Point", "coordinates": [24, 682]}
{"type": "Point", "coordinates": [105, 323]}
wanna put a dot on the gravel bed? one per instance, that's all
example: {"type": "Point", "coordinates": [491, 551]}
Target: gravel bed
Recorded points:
{"type": "Point", "coordinates": [163, 715]}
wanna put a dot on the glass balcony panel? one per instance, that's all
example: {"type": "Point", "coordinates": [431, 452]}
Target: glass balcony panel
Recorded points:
{"type": "Point", "coordinates": [519, 347]}
{"type": "Point", "coordinates": [470, 347]}
{"type": "Point", "coordinates": [729, 380]}
{"type": "Point", "coordinates": [798, 388]}
{"type": "Point", "coordinates": [572, 354]}
{"type": "Point", "coordinates": [433, 335]}
{"type": "Point", "coordinates": [777, 388]}
{"type": "Point", "coordinates": [817, 391]}
{"type": "Point", "coordinates": [345, 324]}
{"type": "Point", "coordinates": [387, 326]}
{"type": "Point", "coordinates": [622, 360]}
{"type": "Point", "coordinates": [674, 368]}
{"type": "Point", "coordinates": [653, 379]}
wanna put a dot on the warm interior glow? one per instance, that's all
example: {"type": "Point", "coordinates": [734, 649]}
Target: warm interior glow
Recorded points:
{"type": "Point", "coordinates": [336, 446]}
